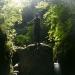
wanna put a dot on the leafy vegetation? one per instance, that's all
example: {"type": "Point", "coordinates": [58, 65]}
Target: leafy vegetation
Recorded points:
{"type": "Point", "coordinates": [56, 26]}
{"type": "Point", "coordinates": [7, 19]}
{"type": "Point", "coordinates": [59, 23]}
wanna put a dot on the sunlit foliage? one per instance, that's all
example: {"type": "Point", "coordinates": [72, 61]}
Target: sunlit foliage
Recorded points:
{"type": "Point", "coordinates": [42, 5]}
{"type": "Point", "coordinates": [10, 12]}
{"type": "Point", "coordinates": [59, 23]}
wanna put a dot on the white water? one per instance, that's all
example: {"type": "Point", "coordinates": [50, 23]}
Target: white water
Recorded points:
{"type": "Point", "coordinates": [57, 68]}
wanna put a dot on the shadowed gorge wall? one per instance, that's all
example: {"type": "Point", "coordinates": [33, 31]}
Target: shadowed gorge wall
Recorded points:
{"type": "Point", "coordinates": [4, 60]}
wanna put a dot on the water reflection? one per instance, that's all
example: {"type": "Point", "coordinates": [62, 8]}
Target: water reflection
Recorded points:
{"type": "Point", "coordinates": [57, 68]}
